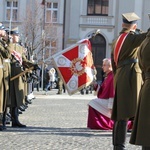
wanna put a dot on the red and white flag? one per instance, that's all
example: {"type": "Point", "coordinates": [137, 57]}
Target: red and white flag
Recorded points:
{"type": "Point", "coordinates": [75, 66]}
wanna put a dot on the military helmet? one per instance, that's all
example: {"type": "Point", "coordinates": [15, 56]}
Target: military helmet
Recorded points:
{"type": "Point", "coordinates": [7, 30]}
{"type": "Point", "coordinates": [14, 31]}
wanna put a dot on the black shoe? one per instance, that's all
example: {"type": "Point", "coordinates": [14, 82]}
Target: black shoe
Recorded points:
{"type": "Point", "coordinates": [87, 92]}
{"type": "Point", "coordinates": [25, 106]}
{"type": "Point", "coordinates": [19, 111]}
{"type": "Point", "coordinates": [21, 108]}
{"type": "Point", "coordinates": [8, 119]}
{"type": "Point", "coordinates": [28, 101]}
{"type": "Point", "coordinates": [7, 122]}
{"type": "Point", "coordinates": [129, 130]}
{"type": "Point", "coordinates": [82, 93]}
{"type": "Point", "coordinates": [18, 125]}
{"type": "Point", "coordinates": [58, 93]}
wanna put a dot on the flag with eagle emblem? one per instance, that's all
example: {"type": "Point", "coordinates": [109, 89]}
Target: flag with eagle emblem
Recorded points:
{"type": "Point", "coordinates": [75, 66]}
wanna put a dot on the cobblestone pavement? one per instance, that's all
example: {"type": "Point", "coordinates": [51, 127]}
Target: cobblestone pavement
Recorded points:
{"type": "Point", "coordinates": [57, 122]}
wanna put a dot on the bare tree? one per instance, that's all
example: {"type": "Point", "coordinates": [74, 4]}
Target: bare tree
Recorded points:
{"type": "Point", "coordinates": [39, 36]}
{"type": "Point", "coordinates": [31, 28]}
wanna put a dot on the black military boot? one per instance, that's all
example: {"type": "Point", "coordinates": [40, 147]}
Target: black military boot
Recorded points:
{"type": "Point", "coordinates": [15, 120]}
{"type": "Point", "coordinates": [119, 135]}
{"type": "Point", "coordinates": [21, 108]}
{"type": "Point", "coordinates": [59, 92]}
{"type": "Point", "coordinates": [145, 148]}
{"type": "Point", "coordinates": [87, 92]}
{"type": "Point", "coordinates": [82, 91]}
{"type": "Point", "coordinates": [4, 121]}
{"type": "Point", "coordinates": [1, 122]}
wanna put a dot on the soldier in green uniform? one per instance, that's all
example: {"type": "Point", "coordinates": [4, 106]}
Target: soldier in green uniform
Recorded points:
{"type": "Point", "coordinates": [127, 77]}
{"type": "Point", "coordinates": [60, 85]}
{"type": "Point", "coordinates": [141, 129]}
{"type": "Point", "coordinates": [18, 61]}
{"type": "Point", "coordinates": [5, 54]}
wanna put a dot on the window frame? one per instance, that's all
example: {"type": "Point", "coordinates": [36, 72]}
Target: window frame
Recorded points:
{"type": "Point", "coordinates": [51, 46]}
{"type": "Point", "coordinates": [94, 9]}
{"type": "Point", "coordinates": [8, 11]}
{"type": "Point", "coordinates": [52, 10]}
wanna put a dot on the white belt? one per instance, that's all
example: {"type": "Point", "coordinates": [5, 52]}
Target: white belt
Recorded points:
{"type": "Point", "coordinates": [6, 60]}
{"type": "Point", "coordinates": [1, 66]}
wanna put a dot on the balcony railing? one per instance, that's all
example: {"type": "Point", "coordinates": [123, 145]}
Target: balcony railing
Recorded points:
{"type": "Point", "coordinates": [97, 20]}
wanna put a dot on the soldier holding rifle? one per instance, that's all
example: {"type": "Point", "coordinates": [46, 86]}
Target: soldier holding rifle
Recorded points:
{"type": "Point", "coordinates": [5, 54]}
{"type": "Point", "coordinates": [18, 62]}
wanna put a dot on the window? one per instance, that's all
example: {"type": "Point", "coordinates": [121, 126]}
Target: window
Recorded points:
{"type": "Point", "coordinates": [12, 10]}
{"type": "Point", "coordinates": [50, 47]}
{"type": "Point", "coordinates": [98, 7]}
{"type": "Point", "coordinates": [51, 12]}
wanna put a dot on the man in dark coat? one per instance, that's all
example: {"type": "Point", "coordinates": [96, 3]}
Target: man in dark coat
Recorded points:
{"type": "Point", "coordinates": [46, 78]}
{"type": "Point", "coordinates": [127, 77]}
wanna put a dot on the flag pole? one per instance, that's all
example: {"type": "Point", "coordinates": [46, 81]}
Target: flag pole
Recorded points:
{"type": "Point", "coordinates": [43, 37]}
{"type": "Point", "coordinates": [10, 15]}
{"type": "Point", "coordinates": [149, 16]}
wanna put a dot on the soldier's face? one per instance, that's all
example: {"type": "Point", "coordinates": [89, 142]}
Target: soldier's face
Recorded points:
{"type": "Point", "coordinates": [15, 38]}
{"type": "Point", "coordinates": [2, 33]}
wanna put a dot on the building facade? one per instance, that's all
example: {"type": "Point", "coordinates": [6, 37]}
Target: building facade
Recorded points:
{"type": "Point", "coordinates": [85, 16]}
{"type": "Point", "coordinates": [68, 21]}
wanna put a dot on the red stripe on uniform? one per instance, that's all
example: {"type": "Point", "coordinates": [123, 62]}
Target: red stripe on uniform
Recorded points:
{"type": "Point", "coordinates": [118, 46]}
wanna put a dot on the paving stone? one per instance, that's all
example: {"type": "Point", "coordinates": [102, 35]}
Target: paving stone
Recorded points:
{"type": "Point", "coordinates": [57, 122]}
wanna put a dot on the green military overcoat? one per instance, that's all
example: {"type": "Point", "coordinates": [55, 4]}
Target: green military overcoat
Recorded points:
{"type": "Point", "coordinates": [5, 48]}
{"type": "Point", "coordinates": [141, 129]}
{"type": "Point", "coordinates": [1, 84]}
{"type": "Point", "coordinates": [17, 85]}
{"type": "Point", "coordinates": [127, 78]}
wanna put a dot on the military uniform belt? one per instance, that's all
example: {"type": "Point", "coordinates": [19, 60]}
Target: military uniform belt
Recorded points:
{"type": "Point", "coordinates": [1, 66]}
{"type": "Point", "coordinates": [126, 62]}
{"type": "Point", "coordinates": [6, 60]}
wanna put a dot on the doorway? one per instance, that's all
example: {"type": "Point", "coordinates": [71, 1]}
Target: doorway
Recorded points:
{"type": "Point", "coordinates": [98, 44]}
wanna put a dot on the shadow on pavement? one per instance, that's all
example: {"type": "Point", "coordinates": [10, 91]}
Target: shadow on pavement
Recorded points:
{"type": "Point", "coordinates": [85, 132]}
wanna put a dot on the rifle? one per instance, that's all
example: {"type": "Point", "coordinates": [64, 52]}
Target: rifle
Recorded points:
{"type": "Point", "coordinates": [20, 74]}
